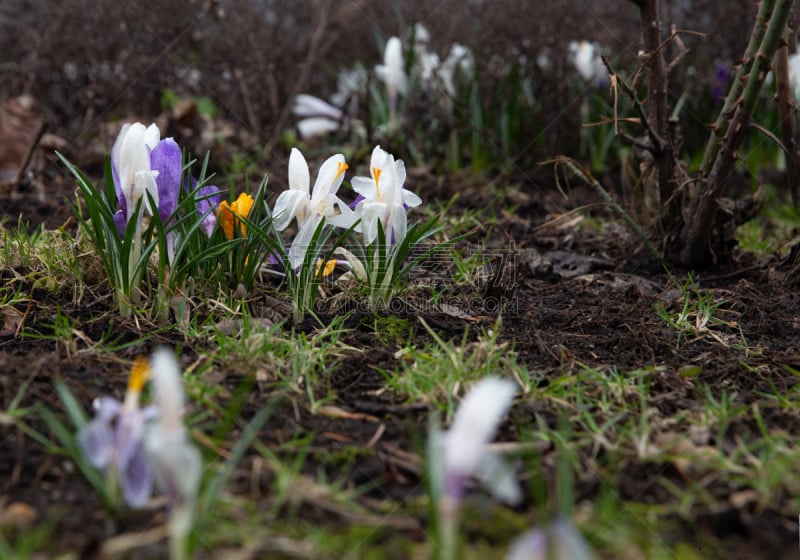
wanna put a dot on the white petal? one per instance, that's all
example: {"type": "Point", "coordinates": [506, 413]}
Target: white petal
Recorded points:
{"type": "Point", "coordinates": [398, 224]}
{"type": "Point", "coordinates": [299, 175]}
{"type": "Point", "coordinates": [330, 176]}
{"type": "Point", "coordinates": [498, 477]}
{"type": "Point", "coordinates": [145, 181]}
{"type": "Point", "coordinates": [410, 199]}
{"type": "Point", "coordinates": [167, 387]}
{"type": "Point", "coordinates": [378, 158]}
{"type": "Point", "coordinates": [476, 422]}
{"type": "Point", "coordinates": [345, 218]}
{"type": "Point", "coordinates": [300, 244]}
{"type": "Point", "coordinates": [310, 106]}
{"type": "Point", "coordinates": [364, 186]}
{"type": "Point", "coordinates": [371, 212]}
{"type": "Point", "coordinates": [557, 541]}
{"type": "Point", "coordinates": [316, 126]}
{"type": "Point", "coordinates": [152, 136]}
{"type": "Point", "coordinates": [400, 172]}
{"type": "Point", "coordinates": [290, 204]}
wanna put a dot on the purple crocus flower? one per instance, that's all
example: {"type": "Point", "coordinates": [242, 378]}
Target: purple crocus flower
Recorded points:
{"type": "Point", "coordinates": [719, 83]}
{"type": "Point", "coordinates": [142, 162]}
{"type": "Point", "coordinates": [165, 160]}
{"type": "Point", "coordinates": [114, 439]}
{"type": "Point", "coordinates": [208, 199]}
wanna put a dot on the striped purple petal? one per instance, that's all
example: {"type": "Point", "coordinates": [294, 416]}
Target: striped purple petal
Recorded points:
{"type": "Point", "coordinates": [166, 160]}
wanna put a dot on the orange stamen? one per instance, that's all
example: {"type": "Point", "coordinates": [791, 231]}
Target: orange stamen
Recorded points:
{"type": "Point", "coordinates": [376, 174]}
{"type": "Point", "coordinates": [140, 371]}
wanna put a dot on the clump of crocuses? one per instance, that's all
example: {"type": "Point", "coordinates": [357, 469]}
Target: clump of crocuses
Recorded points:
{"type": "Point", "coordinates": [379, 212]}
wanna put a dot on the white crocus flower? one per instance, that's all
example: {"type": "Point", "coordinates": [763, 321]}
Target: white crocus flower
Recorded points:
{"type": "Point", "coordinates": [320, 116]}
{"type": "Point", "coordinates": [463, 452]}
{"type": "Point", "coordinates": [392, 71]}
{"type": "Point", "coordinates": [466, 452]}
{"type": "Point", "coordinates": [317, 126]}
{"type": "Point", "coordinates": [311, 106]}
{"type": "Point", "coordinates": [311, 206]}
{"type": "Point", "coordinates": [459, 59]}
{"type": "Point", "coordinates": [385, 200]}
{"type": "Point", "coordinates": [350, 85]}
{"type": "Point", "coordinates": [177, 463]}
{"type": "Point", "coordinates": [586, 59]}
{"type": "Point", "coordinates": [130, 160]}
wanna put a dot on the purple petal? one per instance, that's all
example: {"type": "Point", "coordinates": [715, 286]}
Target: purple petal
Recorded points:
{"type": "Point", "coordinates": [115, 177]}
{"type": "Point", "coordinates": [136, 478]}
{"type": "Point", "coordinates": [120, 221]}
{"type": "Point", "coordinates": [106, 408]}
{"type": "Point", "coordinates": [358, 199]}
{"type": "Point", "coordinates": [96, 440]}
{"type": "Point", "coordinates": [531, 545]}
{"type": "Point", "coordinates": [128, 436]}
{"type": "Point", "coordinates": [166, 159]}
{"type": "Point", "coordinates": [208, 199]}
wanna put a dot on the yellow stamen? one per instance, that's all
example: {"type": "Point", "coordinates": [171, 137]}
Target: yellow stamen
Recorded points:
{"type": "Point", "coordinates": [341, 168]}
{"type": "Point", "coordinates": [140, 371]}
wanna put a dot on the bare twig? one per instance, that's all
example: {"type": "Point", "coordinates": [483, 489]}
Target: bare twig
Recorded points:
{"type": "Point", "coordinates": [682, 50]}
{"type": "Point", "coordinates": [31, 149]}
{"type": "Point", "coordinates": [656, 140]}
{"type": "Point", "coordinates": [587, 177]}
{"type": "Point", "coordinates": [248, 105]}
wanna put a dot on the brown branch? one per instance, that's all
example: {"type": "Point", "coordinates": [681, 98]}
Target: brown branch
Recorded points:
{"type": "Point", "coordinates": [786, 115]}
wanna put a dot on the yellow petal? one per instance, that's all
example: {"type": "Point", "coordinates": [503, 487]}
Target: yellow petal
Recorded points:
{"type": "Point", "coordinates": [225, 218]}
{"type": "Point", "coordinates": [243, 205]}
{"type": "Point", "coordinates": [327, 271]}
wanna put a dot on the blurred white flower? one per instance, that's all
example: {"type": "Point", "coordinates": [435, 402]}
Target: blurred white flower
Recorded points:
{"type": "Point", "coordinates": [320, 116]}
{"type": "Point", "coordinates": [558, 541]}
{"type": "Point", "coordinates": [177, 463]}
{"type": "Point", "coordinates": [317, 126]}
{"type": "Point", "coordinates": [459, 60]}
{"type": "Point", "coordinates": [794, 74]}
{"type": "Point", "coordinates": [392, 71]}
{"type": "Point", "coordinates": [311, 106]}
{"type": "Point", "coordinates": [350, 85]}
{"type": "Point", "coordinates": [466, 452]}
{"type": "Point", "coordinates": [585, 57]}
